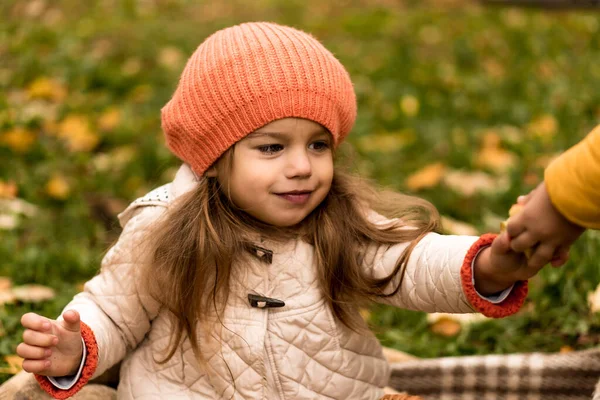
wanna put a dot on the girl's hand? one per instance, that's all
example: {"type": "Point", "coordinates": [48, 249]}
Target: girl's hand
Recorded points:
{"type": "Point", "coordinates": [51, 348]}
{"type": "Point", "coordinates": [498, 267]}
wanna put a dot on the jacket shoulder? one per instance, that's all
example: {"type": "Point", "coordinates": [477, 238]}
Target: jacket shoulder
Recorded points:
{"type": "Point", "coordinates": [161, 197]}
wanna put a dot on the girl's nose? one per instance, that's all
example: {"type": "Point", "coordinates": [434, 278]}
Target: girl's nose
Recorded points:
{"type": "Point", "coordinates": [299, 165]}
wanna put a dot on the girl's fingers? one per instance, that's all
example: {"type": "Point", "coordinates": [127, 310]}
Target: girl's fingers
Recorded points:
{"type": "Point", "coordinates": [522, 242]}
{"type": "Point", "coordinates": [541, 256]}
{"type": "Point", "coordinates": [71, 321]}
{"type": "Point", "coordinates": [33, 352]}
{"type": "Point", "coordinates": [501, 244]}
{"type": "Point", "coordinates": [40, 339]}
{"type": "Point", "coordinates": [36, 366]}
{"type": "Point", "coordinates": [35, 322]}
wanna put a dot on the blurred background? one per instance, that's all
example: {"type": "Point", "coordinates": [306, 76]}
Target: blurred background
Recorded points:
{"type": "Point", "coordinates": [462, 103]}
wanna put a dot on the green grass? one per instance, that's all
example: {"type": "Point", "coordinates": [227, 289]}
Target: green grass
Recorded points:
{"type": "Point", "coordinates": [472, 70]}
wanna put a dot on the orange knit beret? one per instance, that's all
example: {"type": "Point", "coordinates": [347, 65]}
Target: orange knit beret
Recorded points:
{"type": "Point", "coordinates": [246, 76]}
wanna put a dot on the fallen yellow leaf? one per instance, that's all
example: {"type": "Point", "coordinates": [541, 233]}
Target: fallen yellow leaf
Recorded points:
{"type": "Point", "coordinates": [170, 57]}
{"type": "Point", "coordinates": [15, 365]}
{"type": "Point", "coordinates": [469, 183]}
{"type": "Point", "coordinates": [427, 177]}
{"type": "Point", "coordinates": [33, 293]}
{"type": "Point", "coordinates": [5, 282]}
{"type": "Point", "coordinates": [544, 127]}
{"type": "Point", "coordinates": [566, 349]}
{"type": "Point", "coordinates": [491, 154]}
{"type": "Point", "coordinates": [58, 188]}
{"type": "Point", "coordinates": [455, 227]}
{"type": "Point", "coordinates": [8, 190]}
{"type": "Point", "coordinates": [7, 296]}
{"type": "Point", "coordinates": [446, 327]}
{"type": "Point", "coordinates": [75, 130]}
{"type": "Point", "coordinates": [498, 160]}
{"type": "Point", "coordinates": [18, 139]}
{"type": "Point", "coordinates": [409, 105]}
{"type": "Point", "coordinates": [110, 119]}
{"type": "Point", "coordinates": [47, 88]}
{"type": "Point", "coordinates": [594, 300]}
{"type": "Point", "coordinates": [447, 324]}
{"type": "Point", "coordinates": [494, 68]}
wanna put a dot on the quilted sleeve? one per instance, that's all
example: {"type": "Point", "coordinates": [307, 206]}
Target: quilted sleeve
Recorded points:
{"type": "Point", "coordinates": [115, 309]}
{"type": "Point", "coordinates": [438, 276]}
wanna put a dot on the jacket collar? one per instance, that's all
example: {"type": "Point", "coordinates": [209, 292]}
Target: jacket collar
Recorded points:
{"type": "Point", "coordinates": [185, 181]}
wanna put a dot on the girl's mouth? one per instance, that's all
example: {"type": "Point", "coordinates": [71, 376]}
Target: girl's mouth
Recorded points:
{"type": "Point", "coordinates": [295, 197]}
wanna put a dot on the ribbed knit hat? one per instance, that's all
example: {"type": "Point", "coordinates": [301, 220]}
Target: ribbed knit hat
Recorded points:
{"type": "Point", "coordinates": [246, 76]}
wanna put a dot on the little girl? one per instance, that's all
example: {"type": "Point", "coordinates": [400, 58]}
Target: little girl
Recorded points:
{"type": "Point", "coordinates": [242, 278]}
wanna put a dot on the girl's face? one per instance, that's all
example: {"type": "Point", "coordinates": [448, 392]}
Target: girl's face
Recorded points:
{"type": "Point", "coordinates": [281, 172]}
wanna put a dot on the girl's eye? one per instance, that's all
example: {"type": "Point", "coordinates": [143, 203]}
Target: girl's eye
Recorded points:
{"type": "Point", "coordinates": [320, 145]}
{"type": "Point", "coordinates": [270, 148]}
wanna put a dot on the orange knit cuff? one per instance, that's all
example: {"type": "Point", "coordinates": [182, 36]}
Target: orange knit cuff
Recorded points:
{"type": "Point", "coordinates": [509, 306]}
{"type": "Point", "coordinates": [91, 362]}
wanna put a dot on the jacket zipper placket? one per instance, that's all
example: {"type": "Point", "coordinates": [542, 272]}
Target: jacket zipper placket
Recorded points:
{"type": "Point", "coordinates": [270, 367]}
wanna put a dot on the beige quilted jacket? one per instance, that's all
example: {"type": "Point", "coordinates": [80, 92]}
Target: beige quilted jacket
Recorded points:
{"type": "Point", "coordinates": [298, 351]}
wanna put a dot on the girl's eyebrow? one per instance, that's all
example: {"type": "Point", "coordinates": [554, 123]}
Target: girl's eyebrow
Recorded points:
{"type": "Point", "coordinates": [281, 135]}
{"type": "Point", "coordinates": [254, 135]}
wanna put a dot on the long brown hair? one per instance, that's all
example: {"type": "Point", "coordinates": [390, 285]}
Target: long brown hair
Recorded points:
{"type": "Point", "coordinates": [203, 233]}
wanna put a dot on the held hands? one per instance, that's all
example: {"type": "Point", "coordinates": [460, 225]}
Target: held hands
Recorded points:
{"type": "Point", "coordinates": [541, 227]}
{"type": "Point", "coordinates": [51, 348]}
{"type": "Point", "coordinates": [498, 267]}
{"type": "Point", "coordinates": [536, 234]}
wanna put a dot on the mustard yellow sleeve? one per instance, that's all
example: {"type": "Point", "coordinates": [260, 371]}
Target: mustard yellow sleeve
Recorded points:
{"type": "Point", "coordinates": [573, 182]}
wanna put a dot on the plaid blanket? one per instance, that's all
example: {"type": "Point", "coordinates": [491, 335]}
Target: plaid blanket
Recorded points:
{"type": "Point", "coordinates": [535, 376]}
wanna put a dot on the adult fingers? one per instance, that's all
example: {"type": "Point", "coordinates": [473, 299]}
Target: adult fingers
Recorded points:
{"type": "Point", "coordinates": [33, 352]}
{"type": "Point", "coordinates": [36, 366]}
{"type": "Point", "coordinates": [561, 256]}
{"type": "Point", "coordinates": [515, 225]}
{"type": "Point", "coordinates": [522, 242]}
{"type": "Point", "coordinates": [523, 199]}
{"type": "Point", "coordinates": [35, 338]}
{"type": "Point", "coordinates": [542, 255]}
{"type": "Point", "coordinates": [35, 322]}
